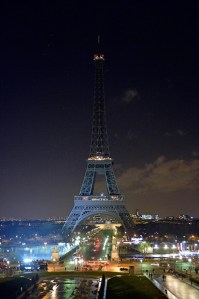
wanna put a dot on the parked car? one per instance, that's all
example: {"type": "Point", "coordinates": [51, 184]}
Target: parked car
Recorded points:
{"type": "Point", "coordinates": [124, 269]}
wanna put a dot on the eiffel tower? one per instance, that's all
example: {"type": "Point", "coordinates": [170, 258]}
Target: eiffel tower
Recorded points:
{"type": "Point", "coordinates": [87, 204]}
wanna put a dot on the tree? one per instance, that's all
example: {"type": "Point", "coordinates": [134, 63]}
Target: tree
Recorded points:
{"type": "Point", "coordinates": [144, 246]}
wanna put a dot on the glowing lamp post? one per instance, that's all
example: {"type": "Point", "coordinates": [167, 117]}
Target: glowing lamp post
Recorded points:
{"type": "Point", "coordinates": [181, 263]}
{"type": "Point", "coordinates": [45, 243]}
{"type": "Point", "coordinates": [54, 260]}
{"type": "Point", "coordinates": [141, 265]}
{"type": "Point", "coordinates": [190, 260]}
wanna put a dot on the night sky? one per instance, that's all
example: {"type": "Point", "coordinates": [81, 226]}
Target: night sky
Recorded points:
{"type": "Point", "coordinates": [152, 103]}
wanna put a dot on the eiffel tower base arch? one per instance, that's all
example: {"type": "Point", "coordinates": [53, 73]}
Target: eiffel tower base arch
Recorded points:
{"type": "Point", "coordinates": [84, 209]}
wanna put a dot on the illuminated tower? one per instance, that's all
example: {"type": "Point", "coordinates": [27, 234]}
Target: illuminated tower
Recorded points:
{"type": "Point", "coordinates": [88, 204]}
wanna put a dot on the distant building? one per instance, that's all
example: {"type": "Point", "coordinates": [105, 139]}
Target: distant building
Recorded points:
{"type": "Point", "coordinates": [138, 216]}
{"type": "Point", "coordinates": [185, 217]}
{"type": "Point", "coordinates": [150, 217]}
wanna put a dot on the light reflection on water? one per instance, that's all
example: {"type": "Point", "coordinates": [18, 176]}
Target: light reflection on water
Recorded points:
{"type": "Point", "coordinates": [65, 288]}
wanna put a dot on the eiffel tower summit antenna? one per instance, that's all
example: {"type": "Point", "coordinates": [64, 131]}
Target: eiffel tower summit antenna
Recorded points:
{"type": "Point", "coordinates": [87, 204]}
{"type": "Point", "coordinates": [99, 44]}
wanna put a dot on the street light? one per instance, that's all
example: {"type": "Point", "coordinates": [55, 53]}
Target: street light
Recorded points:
{"type": "Point", "coordinates": [190, 260]}
{"type": "Point", "coordinates": [45, 243]}
{"type": "Point", "coordinates": [141, 264]}
{"type": "Point", "coordinates": [180, 264]}
{"type": "Point", "coordinates": [54, 260]}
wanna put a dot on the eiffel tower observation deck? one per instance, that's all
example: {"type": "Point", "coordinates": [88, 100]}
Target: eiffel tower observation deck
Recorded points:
{"type": "Point", "coordinates": [87, 204]}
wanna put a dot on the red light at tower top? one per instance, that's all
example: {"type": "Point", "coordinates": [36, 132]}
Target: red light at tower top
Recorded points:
{"type": "Point", "coordinates": [98, 56]}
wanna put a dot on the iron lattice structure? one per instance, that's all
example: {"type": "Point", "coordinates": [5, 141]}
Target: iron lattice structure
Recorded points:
{"type": "Point", "coordinates": [99, 162]}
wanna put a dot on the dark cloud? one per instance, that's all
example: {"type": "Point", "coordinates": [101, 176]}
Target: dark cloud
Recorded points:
{"type": "Point", "coordinates": [129, 95]}
{"type": "Point", "coordinates": [131, 135]}
{"type": "Point", "coordinates": [195, 153]}
{"type": "Point", "coordinates": [161, 176]}
{"type": "Point", "coordinates": [178, 132]}
{"type": "Point", "coordinates": [167, 181]}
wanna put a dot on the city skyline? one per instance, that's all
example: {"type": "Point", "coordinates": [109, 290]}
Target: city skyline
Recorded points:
{"type": "Point", "coordinates": [47, 75]}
